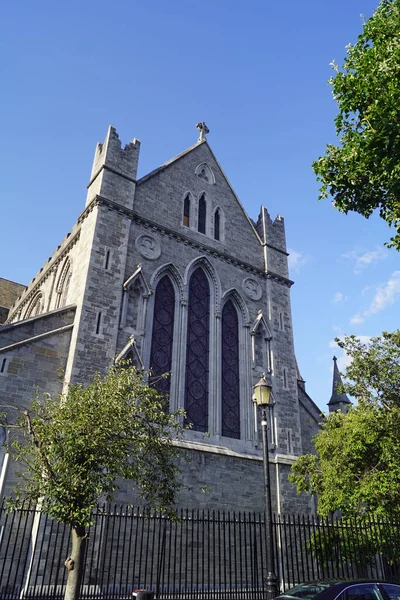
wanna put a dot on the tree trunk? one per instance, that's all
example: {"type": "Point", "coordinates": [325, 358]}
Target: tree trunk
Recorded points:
{"type": "Point", "coordinates": [75, 564]}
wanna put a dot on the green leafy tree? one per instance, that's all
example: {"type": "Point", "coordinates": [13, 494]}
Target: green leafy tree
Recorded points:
{"type": "Point", "coordinates": [74, 448]}
{"type": "Point", "coordinates": [356, 468]}
{"type": "Point", "coordinates": [355, 472]}
{"type": "Point", "coordinates": [362, 173]}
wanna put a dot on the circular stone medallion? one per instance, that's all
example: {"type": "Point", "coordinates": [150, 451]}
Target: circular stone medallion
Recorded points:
{"type": "Point", "coordinates": [252, 288]}
{"type": "Point", "coordinates": [148, 247]}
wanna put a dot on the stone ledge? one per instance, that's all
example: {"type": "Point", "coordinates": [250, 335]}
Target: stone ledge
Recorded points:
{"type": "Point", "coordinates": [36, 338]}
{"type": "Point", "coordinates": [44, 315]}
{"type": "Point", "coordinates": [285, 459]}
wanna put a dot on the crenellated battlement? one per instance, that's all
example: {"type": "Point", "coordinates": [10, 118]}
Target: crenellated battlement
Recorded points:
{"type": "Point", "coordinates": [114, 170]}
{"type": "Point", "coordinates": [111, 154]}
{"type": "Point", "coordinates": [271, 232]}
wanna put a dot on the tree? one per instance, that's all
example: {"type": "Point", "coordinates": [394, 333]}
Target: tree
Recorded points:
{"type": "Point", "coordinates": [362, 173]}
{"type": "Point", "coordinates": [356, 468]}
{"type": "Point", "coordinates": [73, 450]}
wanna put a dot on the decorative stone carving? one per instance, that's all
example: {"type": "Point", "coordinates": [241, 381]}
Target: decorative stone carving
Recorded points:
{"type": "Point", "coordinates": [252, 288]}
{"type": "Point", "coordinates": [205, 173]}
{"type": "Point", "coordinates": [148, 247]}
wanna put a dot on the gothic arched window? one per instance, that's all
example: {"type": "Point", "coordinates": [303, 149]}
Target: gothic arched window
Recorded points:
{"type": "Point", "coordinates": [202, 214]}
{"type": "Point", "coordinates": [217, 224]}
{"type": "Point", "coordinates": [63, 285]}
{"type": "Point", "coordinates": [197, 353]}
{"type": "Point", "coordinates": [186, 211]}
{"type": "Point", "coordinates": [230, 372]}
{"type": "Point", "coordinates": [163, 333]}
{"type": "Point", "coordinates": [35, 307]}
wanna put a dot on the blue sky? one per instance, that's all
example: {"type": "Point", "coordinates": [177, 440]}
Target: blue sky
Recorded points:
{"type": "Point", "coordinates": [256, 72]}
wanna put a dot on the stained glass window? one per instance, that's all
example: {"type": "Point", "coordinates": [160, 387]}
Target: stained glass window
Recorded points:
{"type": "Point", "coordinates": [197, 353]}
{"type": "Point", "coordinates": [217, 220]}
{"type": "Point", "coordinates": [186, 211]}
{"type": "Point", "coordinates": [230, 372]}
{"type": "Point", "coordinates": [202, 214]}
{"type": "Point", "coordinates": [163, 333]}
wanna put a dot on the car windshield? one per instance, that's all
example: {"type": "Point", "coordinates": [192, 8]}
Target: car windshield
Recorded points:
{"type": "Point", "coordinates": [306, 590]}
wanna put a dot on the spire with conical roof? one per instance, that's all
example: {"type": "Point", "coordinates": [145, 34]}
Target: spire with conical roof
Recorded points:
{"type": "Point", "coordinates": [338, 401]}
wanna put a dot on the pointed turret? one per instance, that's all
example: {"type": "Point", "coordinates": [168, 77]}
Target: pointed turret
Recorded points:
{"type": "Point", "coordinates": [338, 401]}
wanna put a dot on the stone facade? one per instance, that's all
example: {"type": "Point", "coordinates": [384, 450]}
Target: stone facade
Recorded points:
{"type": "Point", "coordinates": [9, 293]}
{"type": "Point", "coordinates": [96, 298]}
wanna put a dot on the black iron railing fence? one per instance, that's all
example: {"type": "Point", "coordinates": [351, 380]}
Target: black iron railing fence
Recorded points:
{"type": "Point", "coordinates": [206, 555]}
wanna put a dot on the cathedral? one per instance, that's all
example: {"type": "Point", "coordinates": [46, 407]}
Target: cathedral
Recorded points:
{"type": "Point", "coordinates": [169, 271]}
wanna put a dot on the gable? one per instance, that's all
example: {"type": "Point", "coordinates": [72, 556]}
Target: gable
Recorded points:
{"type": "Point", "coordinates": [195, 177]}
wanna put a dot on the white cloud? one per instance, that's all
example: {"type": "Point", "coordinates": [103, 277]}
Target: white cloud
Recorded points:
{"type": "Point", "coordinates": [362, 260]}
{"type": "Point", "coordinates": [386, 294]}
{"type": "Point", "coordinates": [357, 319]}
{"type": "Point", "coordinates": [343, 359]}
{"type": "Point", "coordinates": [339, 297]}
{"type": "Point", "coordinates": [296, 260]}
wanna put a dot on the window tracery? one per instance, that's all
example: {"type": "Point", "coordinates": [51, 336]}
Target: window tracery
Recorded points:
{"type": "Point", "coordinates": [230, 372]}
{"type": "Point", "coordinates": [205, 173]}
{"type": "Point", "coordinates": [162, 336]}
{"type": "Point", "coordinates": [197, 352]}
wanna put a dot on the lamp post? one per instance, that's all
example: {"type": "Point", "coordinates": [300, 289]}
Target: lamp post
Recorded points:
{"type": "Point", "coordinates": [262, 397]}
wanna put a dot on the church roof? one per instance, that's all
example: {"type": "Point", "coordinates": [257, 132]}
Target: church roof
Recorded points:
{"type": "Point", "coordinates": [337, 398]}
{"type": "Point", "coordinates": [200, 142]}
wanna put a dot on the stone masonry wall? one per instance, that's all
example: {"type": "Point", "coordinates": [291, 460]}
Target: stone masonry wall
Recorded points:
{"type": "Point", "coordinates": [28, 367]}
{"type": "Point", "coordinates": [160, 198]}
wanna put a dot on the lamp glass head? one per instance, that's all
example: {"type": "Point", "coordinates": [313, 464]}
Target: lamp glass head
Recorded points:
{"type": "Point", "coordinates": [262, 392]}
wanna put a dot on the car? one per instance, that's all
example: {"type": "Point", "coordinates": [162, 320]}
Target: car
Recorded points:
{"type": "Point", "coordinates": [361, 589]}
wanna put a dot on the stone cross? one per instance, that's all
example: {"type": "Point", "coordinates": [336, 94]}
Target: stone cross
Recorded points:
{"type": "Point", "coordinates": [202, 127]}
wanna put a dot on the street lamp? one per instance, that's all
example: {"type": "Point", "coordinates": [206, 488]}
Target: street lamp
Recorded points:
{"type": "Point", "coordinates": [262, 397]}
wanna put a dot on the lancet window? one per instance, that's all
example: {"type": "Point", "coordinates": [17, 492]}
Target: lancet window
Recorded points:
{"type": "Point", "coordinates": [197, 351]}
{"type": "Point", "coordinates": [230, 372]}
{"type": "Point", "coordinates": [35, 307]}
{"type": "Point", "coordinates": [186, 211]}
{"type": "Point", "coordinates": [202, 214]}
{"type": "Point", "coordinates": [217, 224]}
{"type": "Point", "coordinates": [163, 333]}
{"type": "Point", "coordinates": [63, 285]}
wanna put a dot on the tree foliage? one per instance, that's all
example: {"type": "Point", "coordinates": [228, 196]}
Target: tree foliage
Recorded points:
{"type": "Point", "coordinates": [356, 468]}
{"type": "Point", "coordinates": [73, 449]}
{"type": "Point", "coordinates": [374, 371]}
{"type": "Point", "coordinates": [362, 173]}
